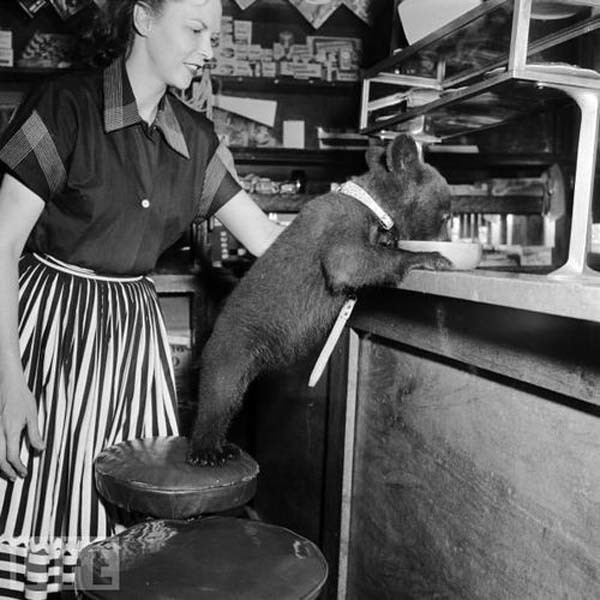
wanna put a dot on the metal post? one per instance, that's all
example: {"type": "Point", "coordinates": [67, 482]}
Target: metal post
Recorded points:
{"type": "Point", "coordinates": [519, 41]}
{"type": "Point", "coordinates": [581, 220]}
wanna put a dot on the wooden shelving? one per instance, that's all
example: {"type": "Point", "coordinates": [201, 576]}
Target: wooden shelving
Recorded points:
{"type": "Point", "coordinates": [277, 85]}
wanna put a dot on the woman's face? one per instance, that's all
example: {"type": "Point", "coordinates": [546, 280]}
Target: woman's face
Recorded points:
{"type": "Point", "coordinates": [178, 41]}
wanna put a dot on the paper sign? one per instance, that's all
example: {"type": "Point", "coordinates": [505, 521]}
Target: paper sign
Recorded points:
{"type": "Point", "coordinates": [244, 4]}
{"type": "Point", "coordinates": [261, 111]}
{"type": "Point", "coordinates": [316, 14]}
{"type": "Point", "coordinates": [421, 17]}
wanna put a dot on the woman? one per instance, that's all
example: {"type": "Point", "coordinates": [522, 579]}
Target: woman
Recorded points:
{"type": "Point", "coordinates": [102, 172]}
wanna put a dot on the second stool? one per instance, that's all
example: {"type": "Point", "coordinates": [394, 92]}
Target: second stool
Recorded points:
{"type": "Point", "coordinates": [216, 557]}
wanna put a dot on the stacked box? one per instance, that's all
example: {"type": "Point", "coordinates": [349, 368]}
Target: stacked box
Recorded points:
{"type": "Point", "coordinates": [6, 48]}
{"type": "Point", "coordinates": [320, 57]}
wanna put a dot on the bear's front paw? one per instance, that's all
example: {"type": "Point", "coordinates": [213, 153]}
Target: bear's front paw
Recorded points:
{"type": "Point", "coordinates": [431, 261]}
{"type": "Point", "coordinates": [441, 263]}
{"type": "Point", "coordinates": [212, 457]}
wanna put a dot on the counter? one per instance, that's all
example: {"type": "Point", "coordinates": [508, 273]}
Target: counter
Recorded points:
{"type": "Point", "coordinates": [473, 440]}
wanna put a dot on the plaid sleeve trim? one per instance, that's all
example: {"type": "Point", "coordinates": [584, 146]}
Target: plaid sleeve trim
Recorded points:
{"type": "Point", "coordinates": [220, 164]}
{"type": "Point", "coordinates": [33, 136]}
{"type": "Point", "coordinates": [226, 157]}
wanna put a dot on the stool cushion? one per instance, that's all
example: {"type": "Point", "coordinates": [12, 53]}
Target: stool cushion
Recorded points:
{"type": "Point", "coordinates": [214, 557]}
{"type": "Point", "coordinates": [151, 476]}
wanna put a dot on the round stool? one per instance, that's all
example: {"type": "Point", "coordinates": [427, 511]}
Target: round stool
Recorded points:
{"type": "Point", "coordinates": [151, 476]}
{"type": "Point", "coordinates": [215, 558]}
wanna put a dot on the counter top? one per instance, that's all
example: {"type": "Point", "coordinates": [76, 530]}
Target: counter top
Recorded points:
{"type": "Point", "coordinates": [578, 299]}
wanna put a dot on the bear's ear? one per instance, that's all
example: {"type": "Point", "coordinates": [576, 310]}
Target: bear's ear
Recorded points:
{"type": "Point", "coordinates": [403, 154]}
{"type": "Point", "coordinates": [374, 156]}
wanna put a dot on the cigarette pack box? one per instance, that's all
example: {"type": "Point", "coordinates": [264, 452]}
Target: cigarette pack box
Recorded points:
{"type": "Point", "coordinates": [6, 38]}
{"type": "Point", "coordinates": [268, 68]}
{"type": "Point", "coordinates": [241, 51]}
{"type": "Point", "coordinates": [242, 68]}
{"type": "Point", "coordinates": [255, 52]}
{"type": "Point", "coordinates": [242, 31]}
{"type": "Point", "coordinates": [308, 71]}
{"type": "Point", "coordinates": [287, 68]}
{"type": "Point", "coordinates": [300, 52]}
{"type": "Point", "coordinates": [314, 70]}
{"type": "Point", "coordinates": [6, 57]}
{"type": "Point", "coordinates": [226, 26]}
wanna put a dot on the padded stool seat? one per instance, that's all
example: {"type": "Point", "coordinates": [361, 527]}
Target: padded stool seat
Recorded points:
{"type": "Point", "coordinates": [151, 476]}
{"type": "Point", "coordinates": [214, 558]}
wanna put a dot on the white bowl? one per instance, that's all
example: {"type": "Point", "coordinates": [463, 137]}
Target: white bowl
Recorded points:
{"type": "Point", "coordinates": [463, 255]}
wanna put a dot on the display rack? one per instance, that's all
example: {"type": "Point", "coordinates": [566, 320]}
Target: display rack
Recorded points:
{"type": "Point", "coordinates": [486, 68]}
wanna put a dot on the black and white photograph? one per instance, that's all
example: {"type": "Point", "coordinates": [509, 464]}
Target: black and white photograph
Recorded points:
{"type": "Point", "coordinates": [299, 300]}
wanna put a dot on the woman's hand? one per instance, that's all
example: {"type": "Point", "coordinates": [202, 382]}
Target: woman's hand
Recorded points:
{"type": "Point", "coordinates": [17, 413]}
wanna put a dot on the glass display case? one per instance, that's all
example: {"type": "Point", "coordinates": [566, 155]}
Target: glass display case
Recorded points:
{"type": "Point", "coordinates": [484, 60]}
{"type": "Point", "coordinates": [493, 64]}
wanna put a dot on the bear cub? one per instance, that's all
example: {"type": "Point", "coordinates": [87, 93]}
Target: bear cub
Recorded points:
{"type": "Point", "coordinates": [289, 299]}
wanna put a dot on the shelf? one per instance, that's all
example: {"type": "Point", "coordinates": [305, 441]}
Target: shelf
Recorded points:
{"type": "Point", "coordinates": [292, 156]}
{"type": "Point", "coordinates": [494, 101]}
{"type": "Point", "coordinates": [266, 85]}
{"type": "Point", "coordinates": [222, 83]}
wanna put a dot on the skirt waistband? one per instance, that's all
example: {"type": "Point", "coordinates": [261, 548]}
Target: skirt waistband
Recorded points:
{"type": "Point", "coordinates": [59, 265]}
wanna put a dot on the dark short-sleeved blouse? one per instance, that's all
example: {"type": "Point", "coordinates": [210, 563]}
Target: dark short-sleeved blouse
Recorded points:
{"type": "Point", "coordinates": [117, 192]}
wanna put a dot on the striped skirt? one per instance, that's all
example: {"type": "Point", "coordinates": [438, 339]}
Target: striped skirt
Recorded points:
{"type": "Point", "coordinates": [96, 357]}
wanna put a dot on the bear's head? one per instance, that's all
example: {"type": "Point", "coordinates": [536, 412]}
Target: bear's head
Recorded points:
{"type": "Point", "coordinates": [413, 193]}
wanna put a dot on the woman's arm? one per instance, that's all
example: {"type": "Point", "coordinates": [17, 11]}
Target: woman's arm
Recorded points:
{"type": "Point", "coordinates": [20, 208]}
{"type": "Point", "coordinates": [248, 223]}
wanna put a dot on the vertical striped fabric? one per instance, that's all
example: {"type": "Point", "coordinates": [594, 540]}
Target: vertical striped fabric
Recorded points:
{"type": "Point", "coordinates": [97, 359]}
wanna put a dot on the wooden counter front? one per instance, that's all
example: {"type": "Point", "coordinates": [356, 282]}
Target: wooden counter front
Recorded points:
{"type": "Point", "coordinates": [472, 457]}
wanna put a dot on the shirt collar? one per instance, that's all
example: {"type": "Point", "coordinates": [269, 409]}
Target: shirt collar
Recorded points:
{"type": "Point", "coordinates": [120, 108]}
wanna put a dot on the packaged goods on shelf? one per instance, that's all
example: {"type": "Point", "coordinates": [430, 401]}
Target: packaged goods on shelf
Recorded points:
{"type": "Point", "coordinates": [6, 38]}
{"type": "Point", "coordinates": [240, 51]}
{"type": "Point", "coordinates": [6, 57]}
{"type": "Point", "coordinates": [242, 32]}
{"type": "Point", "coordinates": [318, 57]}
{"type": "Point", "coordinates": [268, 69]}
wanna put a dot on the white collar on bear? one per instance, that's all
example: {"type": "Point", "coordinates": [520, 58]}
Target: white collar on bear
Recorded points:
{"type": "Point", "coordinates": [350, 188]}
{"type": "Point", "coordinates": [358, 193]}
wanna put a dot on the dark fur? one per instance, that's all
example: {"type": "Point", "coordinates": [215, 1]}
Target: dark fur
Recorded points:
{"type": "Point", "coordinates": [289, 299]}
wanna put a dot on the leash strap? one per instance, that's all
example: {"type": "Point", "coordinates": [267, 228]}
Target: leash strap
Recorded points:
{"type": "Point", "coordinates": [332, 340]}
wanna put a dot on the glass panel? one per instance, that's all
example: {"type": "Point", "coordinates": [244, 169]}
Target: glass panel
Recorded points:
{"type": "Point", "coordinates": [552, 24]}
{"type": "Point", "coordinates": [502, 103]}
{"type": "Point", "coordinates": [478, 45]}
{"type": "Point", "coordinates": [462, 112]}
